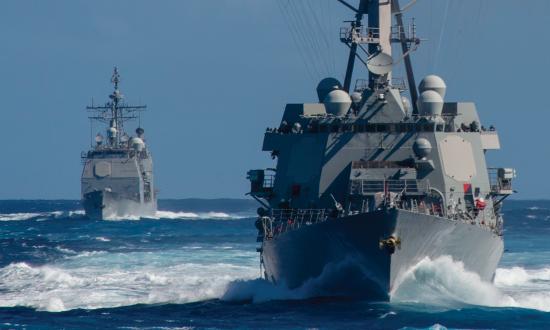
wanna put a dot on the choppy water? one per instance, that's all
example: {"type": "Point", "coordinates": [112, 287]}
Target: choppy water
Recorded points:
{"type": "Point", "coordinates": [194, 265]}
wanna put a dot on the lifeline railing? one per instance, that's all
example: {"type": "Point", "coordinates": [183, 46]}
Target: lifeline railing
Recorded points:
{"type": "Point", "coordinates": [280, 221]}
{"type": "Point", "coordinates": [366, 187]}
{"type": "Point", "coordinates": [499, 185]}
{"type": "Point", "coordinates": [283, 220]}
{"type": "Point", "coordinates": [395, 82]}
{"type": "Point", "coordinates": [362, 34]}
{"type": "Point", "coordinates": [370, 35]}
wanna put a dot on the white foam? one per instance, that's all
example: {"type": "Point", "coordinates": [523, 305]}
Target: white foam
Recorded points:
{"type": "Point", "coordinates": [517, 276]}
{"type": "Point", "coordinates": [195, 216]}
{"type": "Point", "coordinates": [259, 290]}
{"type": "Point", "coordinates": [446, 283]}
{"type": "Point", "coordinates": [65, 250]}
{"type": "Point", "coordinates": [102, 280]}
{"type": "Point", "coordinates": [530, 288]}
{"type": "Point", "coordinates": [18, 216]}
{"type": "Point", "coordinates": [175, 215]}
{"type": "Point", "coordinates": [133, 211]}
{"type": "Point", "coordinates": [129, 213]}
{"type": "Point", "coordinates": [178, 215]}
{"type": "Point", "coordinates": [390, 313]}
{"type": "Point", "coordinates": [41, 215]}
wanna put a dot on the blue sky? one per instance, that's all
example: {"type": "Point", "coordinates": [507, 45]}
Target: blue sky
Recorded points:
{"type": "Point", "coordinates": [215, 74]}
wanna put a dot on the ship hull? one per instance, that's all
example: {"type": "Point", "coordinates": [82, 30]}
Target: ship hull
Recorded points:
{"type": "Point", "coordinates": [343, 256]}
{"type": "Point", "coordinates": [102, 205]}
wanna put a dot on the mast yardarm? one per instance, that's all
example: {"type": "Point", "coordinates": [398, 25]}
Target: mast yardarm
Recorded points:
{"type": "Point", "coordinates": [115, 113]}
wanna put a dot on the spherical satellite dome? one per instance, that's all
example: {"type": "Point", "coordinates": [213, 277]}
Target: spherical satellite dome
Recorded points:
{"type": "Point", "coordinates": [337, 102]}
{"type": "Point", "coordinates": [327, 85]}
{"type": "Point", "coordinates": [422, 147]}
{"type": "Point", "coordinates": [430, 103]}
{"type": "Point", "coordinates": [433, 83]}
{"type": "Point", "coordinates": [356, 97]}
{"type": "Point", "coordinates": [137, 143]}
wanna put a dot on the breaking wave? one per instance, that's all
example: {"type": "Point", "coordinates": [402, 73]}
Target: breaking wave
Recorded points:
{"type": "Point", "coordinates": [446, 283]}
{"type": "Point", "coordinates": [518, 276]}
{"type": "Point", "coordinates": [198, 216]}
{"type": "Point", "coordinates": [99, 279]}
{"type": "Point", "coordinates": [79, 214]}
{"type": "Point", "coordinates": [73, 285]}
{"type": "Point", "coordinates": [178, 215]}
{"type": "Point", "coordinates": [441, 282]}
{"type": "Point", "coordinates": [41, 215]}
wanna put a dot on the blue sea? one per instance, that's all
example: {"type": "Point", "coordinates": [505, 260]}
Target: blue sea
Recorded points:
{"type": "Point", "coordinates": [194, 266]}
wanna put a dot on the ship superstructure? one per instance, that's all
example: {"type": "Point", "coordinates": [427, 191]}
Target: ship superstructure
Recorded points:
{"type": "Point", "coordinates": [367, 185]}
{"type": "Point", "coordinates": [117, 179]}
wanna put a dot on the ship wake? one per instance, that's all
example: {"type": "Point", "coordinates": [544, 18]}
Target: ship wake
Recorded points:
{"type": "Point", "coordinates": [19, 216]}
{"type": "Point", "coordinates": [158, 215]}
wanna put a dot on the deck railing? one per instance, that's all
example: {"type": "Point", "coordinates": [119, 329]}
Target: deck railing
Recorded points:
{"type": "Point", "coordinates": [499, 185]}
{"type": "Point", "coordinates": [280, 221]}
{"type": "Point", "coordinates": [283, 220]}
{"type": "Point", "coordinates": [371, 187]}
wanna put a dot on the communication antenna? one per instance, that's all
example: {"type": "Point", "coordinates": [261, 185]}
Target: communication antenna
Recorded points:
{"type": "Point", "coordinates": [115, 112]}
{"type": "Point", "coordinates": [359, 12]}
{"type": "Point", "coordinates": [378, 35]}
{"type": "Point", "coordinates": [380, 64]}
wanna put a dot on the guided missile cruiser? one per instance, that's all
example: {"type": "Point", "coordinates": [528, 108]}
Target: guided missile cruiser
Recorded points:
{"type": "Point", "coordinates": [367, 183]}
{"type": "Point", "coordinates": [117, 179]}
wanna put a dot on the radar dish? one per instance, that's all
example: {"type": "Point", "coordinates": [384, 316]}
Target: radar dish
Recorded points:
{"type": "Point", "coordinates": [380, 63]}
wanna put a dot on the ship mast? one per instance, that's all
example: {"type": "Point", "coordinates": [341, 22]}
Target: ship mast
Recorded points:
{"type": "Point", "coordinates": [115, 113]}
{"type": "Point", "coordinates": [378, 36]}
{"type": "Point", "coordinates": [396, 8]}
{"type": "Point", "coordinates": [116, 97]}
{"type": "Point", "coordinates": [359, 12]}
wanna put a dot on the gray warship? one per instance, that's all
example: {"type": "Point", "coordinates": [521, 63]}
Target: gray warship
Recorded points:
{"type": "Point", "coordinates": [368, 184]}
{"type": "Point", "coordinates": [117, 179]}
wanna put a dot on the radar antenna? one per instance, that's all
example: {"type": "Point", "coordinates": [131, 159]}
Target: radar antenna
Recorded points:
{"type": "Point", "coordinates": [359, 12]}
{"type": "Point", "coordinates": [378, 35]}
{"type": "Point", "coordinates": [115, 112]}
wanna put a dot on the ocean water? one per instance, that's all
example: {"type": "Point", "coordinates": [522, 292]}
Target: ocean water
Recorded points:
{"type": "Point", "coordinates": [194, 266]}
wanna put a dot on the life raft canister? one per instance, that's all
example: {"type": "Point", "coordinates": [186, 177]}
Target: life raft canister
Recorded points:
{"type": "Point", "coordinates": [480, 203]}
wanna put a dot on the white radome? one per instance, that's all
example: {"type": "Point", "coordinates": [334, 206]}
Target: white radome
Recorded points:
{"type": "Point", "coordinates": [337, 102]}
{"type": "Point", "coordinates": [430, 104]}
{"type": "Point", "coordinates": [433, 83]}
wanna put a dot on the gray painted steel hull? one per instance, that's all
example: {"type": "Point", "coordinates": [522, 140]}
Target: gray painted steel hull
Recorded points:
{"type": "Point", "coordinates": [343, 257]}
{"type": "Point", "coordinates": [101, 205]}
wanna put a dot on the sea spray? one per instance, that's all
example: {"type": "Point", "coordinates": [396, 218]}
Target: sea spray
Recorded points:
{"type": "Point", "coordinates": [444, 282]}
{"type": "Point", "coordinates": [103, 280]}
{"type": "Point", "coordinates": [158, 215]}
